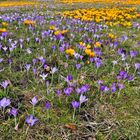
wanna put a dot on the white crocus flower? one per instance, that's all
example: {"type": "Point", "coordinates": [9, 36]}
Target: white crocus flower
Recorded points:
{"type": "Point", "coordinates": [43, 76]}
{"type": "Point", "coordinates": [53, 70]}
{"type": "Point", "coordinates": [83, 99]}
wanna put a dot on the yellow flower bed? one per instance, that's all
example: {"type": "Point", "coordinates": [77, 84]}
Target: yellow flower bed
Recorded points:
{"type": "Point", "coordinates": [70, 52]}
{"type": "Point", "coordinates": [111, 17]}
{"type": "Point", "coordinates": [15, 3]}
{"type": "Point", "coordinates": [103, 1]}
{"type": "Point", "coordinates": [29, 22]}
{"type": "Point", "coordinates": [2, 30]}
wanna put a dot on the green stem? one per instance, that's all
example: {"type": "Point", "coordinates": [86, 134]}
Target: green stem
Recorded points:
{"type": "Point", "coordinates": [33, 109]}
{"type": "Point", "coordinates": [59, 99]}
{"type": "Point", "coordinates": [47, 89]}
{"type": "Point", "coordinates": [97, 72]}
{"type": "Point", "coordinates": [5, 93]}
{"type": "Point", "coordinates": [10, 68]}
{"type": "Point", "coordinates": [48, 114]}
{"type": "Point", "coordinates": [119, 93]}
{"type": "Point", "coordinates": [79, 107]}
{"type": "Point", "coordinates": [52, 80]}
{"type": "Point", "coordinates": [73, 114]}
{"type": "Point", "coordinates": [27, 131]}
{"type": "Point", "coordinates": [66, 99]}
{"type": "Point", "coordinates": [15, 121]}
{"type": "Point", "coordinates": [134, 72]}
{"type": "Point", "coordinates": [3, 112]}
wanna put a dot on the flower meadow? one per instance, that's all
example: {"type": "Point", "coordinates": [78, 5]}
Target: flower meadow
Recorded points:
{"type": "Point", "coordinates": [122, 2]}
{"type": "Point", "coordinates": [15, 3]}
{"type": "Point", "coordinates": [109, 16]}
{"type": "Point", "coordinates": [69, 74]}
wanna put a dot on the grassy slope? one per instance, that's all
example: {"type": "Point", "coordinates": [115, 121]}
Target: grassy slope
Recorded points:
{"type": "Point", "coordinates": [115, 118]}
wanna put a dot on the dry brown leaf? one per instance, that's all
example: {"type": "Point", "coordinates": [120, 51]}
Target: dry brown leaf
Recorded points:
{"type": "Point", "coordinates": [71, 126]}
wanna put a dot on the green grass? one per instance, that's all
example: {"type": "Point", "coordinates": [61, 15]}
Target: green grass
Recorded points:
{"type": "Point", "coordinates": [104, 117]}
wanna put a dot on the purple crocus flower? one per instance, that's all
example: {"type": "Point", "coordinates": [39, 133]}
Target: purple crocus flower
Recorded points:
{"type": "Point", "coordinates": [1, 59]}
{"type": "Point", "coordinates": [100, 82]}
{"type": "Point", "coordinates": [4, 84]}
{"type": "Point", "coordinates": [47, 84]}
{"type": "Point", "coordinates": [123, 74]}
{"type": "Point", "coordinates": [78, 66]}
{"type": "Point", "coordinates": [4, 34]}
{"type": "Point", "coordinates": [130, 78]}
{"type": "Point", "coordinates": [46, 66]}
{"type": "Point", "coordinates": [13, 112]}
{"type": "Point", "coordinates": [121, 86]}
{"type": "Point", "coordinates": [102, 87]}
{"type": "Point", "coordinates": [68, 91]}
{"type": "Point", "coordinates": [34, 71]}
{"type": "Point", "coordinates": [47, 105]}
{"type": "Point", "coordinates": [84, 88]}
{"type": "Point", "coordinates": [78, 90]}
{"type": "Point", "coordinates": [30, 120]}
{"type": "Point", "coordinates": [58, 92]}
{"type": "Point", "coordinates": [118, 77]}
{"type": "Point", "coordinates": [11, 49]}
{"type": "Point", "coordinates": [43, 61]}
{"type": "Point", "coordinates": [27, 66]}
{"type": "Point", "coordinates": [61, 49]}
{"type": "Point", "coordinates": [106, 89]}
{"type": "Point", "coordinates": [59, 36]}
{"type": "Point", "coordinates": [111, 45]}
{"type": "Point", "coordinates": [34, 61]}
{"type": "Point", "coordinates": [123, 38]}
{"type": "Point", "coordinates": [116, 44]}
{"type": "Point", "coordinates": [113, 87]}
{"type": "Point", "coordinates": [75, 104]}
{"type": "Point", "coordinates": [83, 99]}
{"type": "Point", "coordinates": [53, 47]}
{"type": "Point", "coordinates": [9, 61]}
{"type": "Point", "coordinates": [21, 40]}
{"type": "Point", "coordinates": [98, 62]}
{"type": "Point", "coordinates": [98, 51]}
{"type": "Point", "coordinates": [121, 51]}
{"type": "Point", "coordinates": [4, 102]}
{"type": "Point", "coordinates": [137, 66]}
{"type": "Point", "coordinates": [133, 53]}
{"type": "Point", "coordinates": [135, 24]}
{"type": "Point", "coordinates": [133, 36]}
{"type": "Point", "coordinates": [91, 60]}
{"type": "Point", "coordinates": [34, 101]}
{"type": "Point", "coordinates": [81, 57]}
{"type": "Point", "coordinates": [69, 78]}
{"type": "Point", "coordinates": [37, 40]}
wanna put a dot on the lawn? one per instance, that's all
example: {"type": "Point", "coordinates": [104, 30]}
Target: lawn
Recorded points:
{"type": "Point", "coordinates": [70, 70]}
